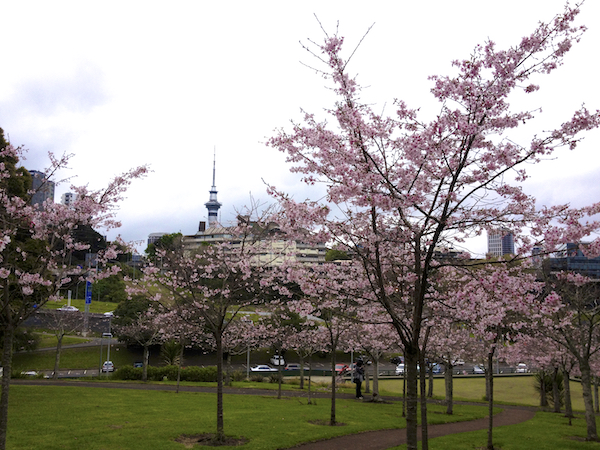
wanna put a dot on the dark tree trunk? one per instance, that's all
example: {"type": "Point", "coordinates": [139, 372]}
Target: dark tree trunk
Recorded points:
{"type": "Point", "coordinates": [430, 389]}
{"type": "Point", "coordinates": [410, 366]}
{"type": "Point", "coordinates": [367, 386]}
{"type": "Point", "coordinates": [586, 386]}
{"type": "Point", "coordinates": [555, 391]}
{"type": "Point", "coordinates": [57, 356]}
{"type": "Point", "coordinates": [449, 385]}
{"type": "Point", "coordinates": [596, 403]}
{"type": "Point", "coordinates": [146, 359]}
{"type": "Point", "coordinates": [309, 379]}
{"type": "Point", "coordinates": [220, 437]}
{"type": "Point", "coordinates": [9, 333]}
{"type": "Point", "coordinates": [543, 398]}
{"type": "Point", "coordinates": [301, 370]}
{"type": "Point", "coordinates": [422, 387]}
{"type": "Point", "coordinates": [332, 420]}
{"type": "Point", "coordinates": [179, 363]}
{"type": "Point", "coordinates": [568, 404]}
{"type": "Point", "coordinates": [489, 375]}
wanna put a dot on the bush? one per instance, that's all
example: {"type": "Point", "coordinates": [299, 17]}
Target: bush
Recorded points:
{"type": "Point", "coordinates": [274, 378]}
{"type": "Point", "coordinates": [238, 375]}
{"type": "Point", "coordinates": [193, 373]}
{"type": "Point", "coordinates": [256, 378]}
{"type": "Point", "coordinates": [199, 374]}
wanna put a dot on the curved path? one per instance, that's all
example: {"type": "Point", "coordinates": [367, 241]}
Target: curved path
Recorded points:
{"type": "Point", "coordinates": [368, 440]}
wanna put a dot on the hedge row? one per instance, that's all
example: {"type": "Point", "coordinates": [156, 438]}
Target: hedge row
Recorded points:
{"type": "Point", "coordinates": [192, 373]}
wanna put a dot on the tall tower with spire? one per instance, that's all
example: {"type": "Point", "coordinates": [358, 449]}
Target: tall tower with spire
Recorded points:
{"type": "Point", "coordinates": [212, 204]}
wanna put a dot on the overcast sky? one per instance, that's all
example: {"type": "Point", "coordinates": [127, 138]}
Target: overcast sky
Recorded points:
{"type": "Point", "coordinates": [124, 83]}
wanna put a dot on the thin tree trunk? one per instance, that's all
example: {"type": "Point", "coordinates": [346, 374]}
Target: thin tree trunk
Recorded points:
{"type": "Point", "coordinates": [220, 426]}
{"type": "Point", "coordinates": [301, 370]}
{"type": "Point", "coordinates": [57, 356]}
{"type": "Point", "coordinates": [376, 380]}
{"type": "Point", "coordinates": [179, 363]}
{"type": "Point", "coordinates": [9, 333]}
{"type": "Point", "coordinates": [309, 379]}
{"type": "Point", "coordinates": [568, 404]}
{"type": "Point", "coordinates": [543, 398]}
{"type": "Point", "coordinates": [146, 359]}
{"type": "Point", "coordinates": [596, 403]}
{"type": "Point", "coordinates": [490, 383]}
{"type": "Point", "coordinates": [430, 389]}
{"type": "Point", "coordinates": [555, 391]}
{"type": "Point", "coordinates": [423, 388]}
{"type": "Point", "coordinates": [410, 362]}
{"type": "Point", "coordinates": [586, 386]}
{"type": "Point", "coordinates": [367, 385]}
{"type": "Point", "coordinates": [449, 385]}
{"type": "Point", "coordinates": [332, 420]}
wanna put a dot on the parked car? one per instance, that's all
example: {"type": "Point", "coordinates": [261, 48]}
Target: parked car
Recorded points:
{"type": "Point", "coordinates": [295, 366]}
{"type": "Point", "coordinates": [437, 369]}
{"type": "Point", "coordinates": [108, 366]}
{"type": "Point", "coordinates": [67, 308]}
{"type": "Point", "coordinates": [397, 360]}
{"type": "Point", "coordinates": [138, 364]}
{"type": "Point", "coordinates": [522, 368]}
{"type": "Point", "coordinates": [400, 369]}
{"type": "Point", "coordinates": [458, 362]}
{"type": "Point", "coordinates": [109, 314]}
{"type": "Point", "coordinates": [30, 373]}
{"type": "Point", "coordinates": [263, 368]}
{"type": "Point", "coordinates": [277, 360]}
{"type": "Point", "coordinates": [341, 369]}
{"type": "Point", "coordinates": [478, 369]}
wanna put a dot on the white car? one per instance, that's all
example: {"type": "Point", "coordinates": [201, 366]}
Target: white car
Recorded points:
{"type": "Point", "coordinates": [108, 366]}
{"type": "Point", "coordinates": [400, 369]}
{"type": "Point", "coordinates": [277, 360]}
{"type": "Point", "coordinates": [522, 368]}
{"type": "Point", "coordinates": [478, 369]}
{"type": "Point", "coordinates": [263, 368]}
{"type": "Point", "coordinates": [67, 308]}
{"type": "Point", "coordinates": [108, 314]}
{"type": "Point", "coordinates": [295, 366]}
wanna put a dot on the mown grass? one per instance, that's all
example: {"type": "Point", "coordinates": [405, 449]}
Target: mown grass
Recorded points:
{"type": "Point", "coordinates": [514, 390]}
{"type": "Point", "coordinates": [56, 417]}
{"type": "Point", "coordinates": [547, 431]}
{"type": "Point", "coordinates": [95, 306]}
{"type": "Point", "coordinates": [49, 340]}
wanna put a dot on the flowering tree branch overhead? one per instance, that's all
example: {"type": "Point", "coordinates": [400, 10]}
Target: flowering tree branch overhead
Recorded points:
{"type": "Point", "coordinates": [36, 242]}
{"type": "Point", "coordinates": [399, 187]}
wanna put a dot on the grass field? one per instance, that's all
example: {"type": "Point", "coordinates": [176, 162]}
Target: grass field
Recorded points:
{"type": "Point", "coordinates": [55, 417]}
{"type": "Point", "coordinates": [514, 390]}
{"type": "Point", "coordinates": [95, 307]}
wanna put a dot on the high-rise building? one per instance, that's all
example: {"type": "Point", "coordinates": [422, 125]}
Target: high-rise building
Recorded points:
{"type": "Point", "coordinates": [43, 188]}
{"type": "Point", "coordinates": [501, 242]}
{"type": "Point", "coordinates": [68, 198]}
{"type": "Point", "coordinates": [212, 204]}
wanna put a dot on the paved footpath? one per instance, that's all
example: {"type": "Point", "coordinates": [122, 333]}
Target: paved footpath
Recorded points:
{"type": "Point", "coordinates": [369, 440]}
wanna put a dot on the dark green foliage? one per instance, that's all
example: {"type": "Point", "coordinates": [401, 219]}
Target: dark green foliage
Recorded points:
{"type": "Point", "coordinates": [19, 181]}
{"type": "Point", "coordinates": [193, 373]}
{"type": "Point", "coordinates": [545, 378]}
{"type": "Point", "coordinates": [166, 242]}
{"type": "Point", "coordinates": [170, 352]}
{"type": "Point", "coordinates": [111, 289]}
{"type": "Point", "coordinates": [24, 340]}
{"type": "Point", "coordinates": [335, 255]}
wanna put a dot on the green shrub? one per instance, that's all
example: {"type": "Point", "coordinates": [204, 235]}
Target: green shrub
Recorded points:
{"type": "Point", "coordinates": [193, 373]}
{"type": "Point", "coordinates": [274, 378]}
{"type": "Point", "coordinates": [199, 374]}
{"type": "Point", "coordinates": [238, 375]}
{"type": "Point", "coordinates": [256, 378]}
{"type": "Point", "coordinates": [128, 373]}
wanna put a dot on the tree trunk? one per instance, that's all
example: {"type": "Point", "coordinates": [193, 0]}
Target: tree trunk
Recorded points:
{"type": "Point", "coordinates": [423, 387]}
{"type": "Point", "coordinates": [145, 365]}
{"type": "Point", "coordinates": [543, 398]}
{"type": "Point", "coordinates": [57, 356]}
{"type": "Point", "coordinates": [586, 386]}
{"type": "Point", "coordinates": [367, 386]}
{"type": "Point", "coordinates": [9, 333]}
{"type": "Point", "coordinates": [568, 404]}
{"type": "Point", "coordinates": [228, 371]}
{"type": "Point", "coordinates": [376, 379]}
{"type": "Point", "coordinates": [179, 363]}
{"type": "Point", "coordinates": [301, 370]}
{"type": "Point", "coordinates": [555, 391]}
{"type": "Point", "coordinates": [410, 367]}
{"type": "Point", "coordinates": [596, 403]}
{"type": "Point", "coordinates": [489, 375]}
{"type": "Point", "coordinates": [309, 379]}
{"type": "Point", "coordinates": [332, 421]}
{"type": "Point", "coordinates": [220, 437]}
{"type": "Point", "coordinates": [449, 385]}
{"type": "Point", "coordinates": [430, 389]}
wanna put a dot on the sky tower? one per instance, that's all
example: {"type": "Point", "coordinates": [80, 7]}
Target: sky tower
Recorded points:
{"type": "Point", "coordinates": [212, 204]}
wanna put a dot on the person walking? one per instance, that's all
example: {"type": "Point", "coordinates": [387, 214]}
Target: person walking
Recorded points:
{"type": "Point", "coordinates": [358, 377]}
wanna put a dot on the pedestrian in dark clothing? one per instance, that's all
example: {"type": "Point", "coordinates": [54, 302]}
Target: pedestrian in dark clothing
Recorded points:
{"type": "Point", "coordinates": [358, 376]}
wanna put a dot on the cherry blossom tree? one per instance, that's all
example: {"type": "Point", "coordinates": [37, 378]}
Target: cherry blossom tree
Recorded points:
{"type": "Point", "coordinates": [62, 323]}
{"type": "Point", "coordinates": [36, 242]}
{"type": "Point", "coordinates": [398, 187]}
{"type": "Point", "coordinates": [218, 281]}
{"type": "Point", "coordinates": [569, 315]}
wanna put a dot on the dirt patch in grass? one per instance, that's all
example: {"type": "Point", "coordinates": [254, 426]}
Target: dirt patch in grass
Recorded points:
{"type": "Point", "coordinates": [326, 422]}
{"type": "Point", "coordinates": [208, 439]}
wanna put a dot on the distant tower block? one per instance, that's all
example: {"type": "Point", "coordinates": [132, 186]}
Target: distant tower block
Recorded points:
{"type": "Point", "coordinates": [213, 205]}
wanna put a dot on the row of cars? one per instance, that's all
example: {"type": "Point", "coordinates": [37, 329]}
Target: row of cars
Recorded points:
{"type": "Point", "coordinates": [277, 360]}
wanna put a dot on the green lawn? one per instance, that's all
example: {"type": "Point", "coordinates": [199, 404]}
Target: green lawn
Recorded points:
{"type": "Point", "coordinates": [547, 431]}
{"type": "Point", "coordinates": [515, 390]}
{"type": "Point", "coordinates": [55, 417]}
{"type": "Point", "coordinates": [95, 306]}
